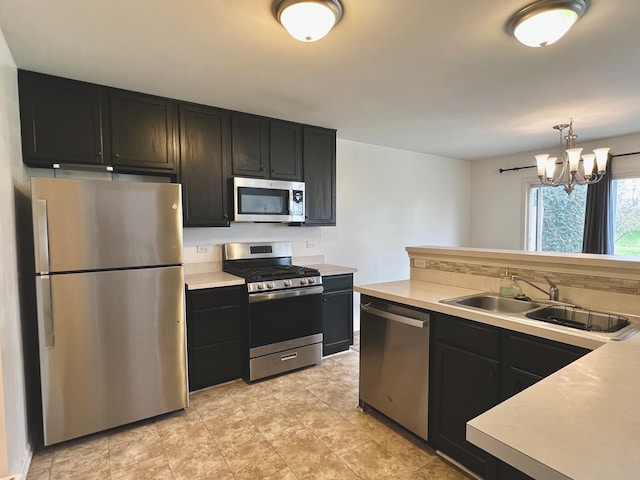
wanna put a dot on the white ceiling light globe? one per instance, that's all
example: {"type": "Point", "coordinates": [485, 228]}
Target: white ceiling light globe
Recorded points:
{"type": "Point", "coordinates": [545, 28]}
{"type": "Point", "coordinates": [308, 21]}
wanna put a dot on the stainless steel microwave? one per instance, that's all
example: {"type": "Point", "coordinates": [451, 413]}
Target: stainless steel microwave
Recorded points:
{"type": "Point", "coordinates": [262, 200]}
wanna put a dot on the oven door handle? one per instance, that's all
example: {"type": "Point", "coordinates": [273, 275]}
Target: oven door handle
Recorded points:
{"type": "Point", "coordinates": [297, 292]}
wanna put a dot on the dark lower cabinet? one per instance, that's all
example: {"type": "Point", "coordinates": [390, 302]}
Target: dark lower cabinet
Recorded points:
{"type": "Point", "coordinates": [337, 313]}
{"type": "Point", "coordinates": [473, 368]}
{"type": "Point", "coordinates": [204, 165]}
{"type": "Point", "coordinates": [216, 333]}
{"type": "Point", "coordinates": [465, 379]}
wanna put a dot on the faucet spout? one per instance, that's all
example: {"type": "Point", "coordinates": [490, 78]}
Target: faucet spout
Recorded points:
{"type": "Point", "coordinates": [553, 292]}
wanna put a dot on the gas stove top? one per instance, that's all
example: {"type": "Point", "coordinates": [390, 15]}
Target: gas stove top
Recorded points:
{"type": "Point", "coordinates": [267, 266]}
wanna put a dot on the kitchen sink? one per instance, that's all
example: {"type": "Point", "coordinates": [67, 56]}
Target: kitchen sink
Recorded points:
{"type": "Point", "coordinates": [493, 303]}
{"type": "Point", "coordinates": [591, 320]}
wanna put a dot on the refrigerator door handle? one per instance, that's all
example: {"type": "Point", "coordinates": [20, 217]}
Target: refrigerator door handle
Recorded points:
{"type": "Point", "coordinates": [45, 311]}
{"type": "Point", "coordinates": [41, 236]}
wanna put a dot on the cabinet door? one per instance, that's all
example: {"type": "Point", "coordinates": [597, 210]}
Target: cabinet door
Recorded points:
{"type": "Point", "coordinates": [250, 145]}
{"type": "Point", "coordinates": [204, 159]}
{"type": "Point", "coordinates": [143, 132]}
{"type": "Point", "coordinates": [216, 336]}
{"type": "Point", "coordinates": [319, 161]}
{"type": "Point", "coordinates": [337, 314]}
{"type": "Point", "coordinates": [285, 150]}
{"type": "Point", "coordinates": [63, 121]}
{"type": "Point", "coordinates": [465, 385]}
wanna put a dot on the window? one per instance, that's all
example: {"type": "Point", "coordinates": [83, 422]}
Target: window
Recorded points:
{"type": "Point", "coordinates": [555, 220]}
{"type": "Point", "coordinates": [626, 196]}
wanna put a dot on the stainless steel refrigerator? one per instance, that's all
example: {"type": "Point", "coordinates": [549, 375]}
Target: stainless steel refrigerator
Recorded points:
{"type": "Point", "coordinates": [110, 294]}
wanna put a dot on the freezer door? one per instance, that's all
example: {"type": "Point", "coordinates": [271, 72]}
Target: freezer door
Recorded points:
{"type": "Point", "coordinates": [112, 348]}
{"type": "Point", "coordinates": [84, 225]}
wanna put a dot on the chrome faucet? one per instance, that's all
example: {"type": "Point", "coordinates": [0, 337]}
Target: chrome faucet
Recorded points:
{"type": "Point", "coordinates": [553, 292]}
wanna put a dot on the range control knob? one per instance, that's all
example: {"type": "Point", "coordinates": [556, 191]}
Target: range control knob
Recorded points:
{"type": "Point", "coordinates": [303, 281]}
{"type": "Point", "coordinates": [270, 285]}
{"type": "Point", "coordinates": [287, 283]}
{"type": "Point", "coordinates": [260, 286]}
{"type": "Point", "coordinates": [312, 281]}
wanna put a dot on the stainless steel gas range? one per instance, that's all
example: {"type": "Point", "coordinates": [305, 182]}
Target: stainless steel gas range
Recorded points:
{"type": "Point", "coordinates": [285, 307]}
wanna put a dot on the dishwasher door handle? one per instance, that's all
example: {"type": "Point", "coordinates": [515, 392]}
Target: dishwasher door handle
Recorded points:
{"type": "Point", "coordinates": [413, 322]}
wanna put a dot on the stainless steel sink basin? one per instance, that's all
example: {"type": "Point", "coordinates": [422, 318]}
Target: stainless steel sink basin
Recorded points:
{"type": "Point", "coordinates": [493, 303]}
{"type": "Point", "coordinates": [581, 319]}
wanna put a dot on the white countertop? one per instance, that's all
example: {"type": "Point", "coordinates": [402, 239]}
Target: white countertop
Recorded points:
{"type": "Point", "coordinates": [197, 281]}
{"type": "Point", "coordinates": [580, 423]}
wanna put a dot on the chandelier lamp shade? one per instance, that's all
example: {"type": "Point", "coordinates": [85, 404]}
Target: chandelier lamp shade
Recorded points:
{"type": "Point", "coordinates": [544, 22]}
{"type": "Point", "coordinates": [572, 170]}
{"type": "Point", "coordinates": [308, 20]}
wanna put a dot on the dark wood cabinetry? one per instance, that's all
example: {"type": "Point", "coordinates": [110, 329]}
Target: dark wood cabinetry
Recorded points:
{"type": "Point", "coordinates": [319, 164]}
{"type": "Point", "coordinates": [473, 368]}
{"type": "Point", "coordinates": [204, 165]}
{"type": "Point", "coordinates": [63, 121]}
{"type": "Point", "coordinates": [337, 313]}
{"type": "Point", "coordinates": [144, 132]}
{"type": "Point", "coordinates": [465, 375]}
{"type": "Point", "coordinates": [266, 148]}
{"type": "Point", "coordinates": [216, 332]}
{"type": "Point", "coordinates": [68, 122]}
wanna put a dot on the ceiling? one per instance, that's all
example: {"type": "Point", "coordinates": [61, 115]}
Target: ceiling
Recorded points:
{"type": "Point", "coordinates": [431, 76]}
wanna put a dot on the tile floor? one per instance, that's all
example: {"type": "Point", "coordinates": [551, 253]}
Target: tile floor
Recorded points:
{"type": "Point", "coordinates": [304, 425]}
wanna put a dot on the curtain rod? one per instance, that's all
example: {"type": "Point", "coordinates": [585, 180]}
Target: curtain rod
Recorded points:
{"type": "Point", "coordinates": [515, 169]}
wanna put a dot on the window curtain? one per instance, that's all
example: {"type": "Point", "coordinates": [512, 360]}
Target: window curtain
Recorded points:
{"type": "Point", "coordinates": [598, 221]}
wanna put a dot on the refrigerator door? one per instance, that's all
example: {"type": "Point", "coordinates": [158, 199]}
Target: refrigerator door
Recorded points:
{"type": "Point", "coordinates": [84, 225]}
{"type": "Point", "coordinates": [112, 348]}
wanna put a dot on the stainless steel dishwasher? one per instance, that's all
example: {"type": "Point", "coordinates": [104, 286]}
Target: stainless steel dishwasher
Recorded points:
{"type": "Point", "coordinates": [394, 362]}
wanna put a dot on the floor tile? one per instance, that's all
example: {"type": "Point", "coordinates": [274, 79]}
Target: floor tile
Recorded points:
{"type": "Point", "coordinates": [299, 426]}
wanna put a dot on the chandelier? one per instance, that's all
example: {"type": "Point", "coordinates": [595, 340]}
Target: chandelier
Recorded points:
{"type": "Point", "coordinates": [573, 171]}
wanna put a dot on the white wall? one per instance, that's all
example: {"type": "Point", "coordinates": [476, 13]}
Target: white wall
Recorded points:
{"type": "Point", "coordinates": [14, 437]}
{"type": "Point", "coordinates": [498, 206]}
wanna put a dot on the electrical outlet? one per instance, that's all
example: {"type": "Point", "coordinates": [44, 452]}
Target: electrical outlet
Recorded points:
{"type": "Point", "coordinates": [420, 263]}
{"type": "Point", "coordinates": [311, 244]}
{"type": "Point", "coordinates": [203, 249]}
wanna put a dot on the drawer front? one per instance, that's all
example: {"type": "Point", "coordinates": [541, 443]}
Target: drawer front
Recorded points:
{"type": "Point", "coordinates": [285, 361]}
{"type": "Point", "coordinates": [215, 297]}
{"type": "Point", "coordinates": [338, 282]}
{"type": "Point", "coordinates": [470, 336]}
{"type": "Point", "coordinates": [538, 356]}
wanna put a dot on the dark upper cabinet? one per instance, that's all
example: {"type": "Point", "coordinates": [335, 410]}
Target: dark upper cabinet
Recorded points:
{"type": "Point", "coordinates": [144, 131]}
{"type": "Point", "coordinates": [250, 145]}
{"type": "Point", "coordinates": [63, 121]}
{"type": "Point", "coordinates": [319, 166]}
{"type": "Point", "coordinates": [266, 148]}
{"type": "Point", "coordinates": [285, 150]}
{"type": "Point", "coordinates": [204, 165]}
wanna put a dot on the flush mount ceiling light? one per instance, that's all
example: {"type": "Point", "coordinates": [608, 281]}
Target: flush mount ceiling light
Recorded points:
{"type": "Point", "coordinates": [308, 20]}
{"type": "Point", "coordinates": [546, 21]}
{"type": "Point", "coordinates": [594, 165]}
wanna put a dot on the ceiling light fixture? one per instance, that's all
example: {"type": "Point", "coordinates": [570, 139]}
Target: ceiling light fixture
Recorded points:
{"type": "Point", "coordinates": [308, 20]}
{"type": "Point", "coordinates": [571, 174]}
{"type": "Point", "coordinates": [546, 21]}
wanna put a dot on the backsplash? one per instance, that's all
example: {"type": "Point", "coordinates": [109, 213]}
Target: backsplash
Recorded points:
{"type": "Point", "coordinates": [603, 284]}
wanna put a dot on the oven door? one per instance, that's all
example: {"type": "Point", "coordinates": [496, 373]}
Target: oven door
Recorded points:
{"type": "Point", "coordinates": [285, 315]}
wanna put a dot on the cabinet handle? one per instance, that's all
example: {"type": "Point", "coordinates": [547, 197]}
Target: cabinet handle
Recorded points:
{"type": "Point", "coordinates": [262, 169]}
{"type": "Point", "coordinates": [273, 170]}
{"type": "Point", "coordinates": [225, 216]}
{"type": "Point", "coordinates": [116, 155]}
{"type": "Point", "coordinates": [98, 154]}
